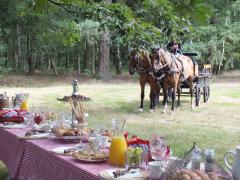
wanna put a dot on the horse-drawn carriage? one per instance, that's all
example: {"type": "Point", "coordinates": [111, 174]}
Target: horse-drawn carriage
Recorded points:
{"type": "Point", "coordinates": [202, 74]}
{"type": "Point", "coordinates": [164, 69]}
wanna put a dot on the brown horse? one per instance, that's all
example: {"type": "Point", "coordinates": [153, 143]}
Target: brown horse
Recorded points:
{"type": "Point", "coordinates": [173, 71]}
{"type": "Point", "coordinates": [141, 63]}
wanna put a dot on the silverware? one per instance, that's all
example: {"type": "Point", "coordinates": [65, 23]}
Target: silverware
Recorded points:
{"type": "Point", "coordinates": [70, 150]}
{"type": "Point", "coordinates": [119, 173]}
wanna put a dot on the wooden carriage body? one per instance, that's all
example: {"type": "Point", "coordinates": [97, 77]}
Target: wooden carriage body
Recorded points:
{"type": "Point", "coordinates": [202, 74]}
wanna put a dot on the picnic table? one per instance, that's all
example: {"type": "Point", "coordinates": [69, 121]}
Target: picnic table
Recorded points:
{"type": "Point", "coordinates": [33, 159]}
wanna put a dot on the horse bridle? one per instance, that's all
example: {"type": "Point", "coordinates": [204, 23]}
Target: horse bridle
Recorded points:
{"type": "Point", "coordinates": [139, 66]}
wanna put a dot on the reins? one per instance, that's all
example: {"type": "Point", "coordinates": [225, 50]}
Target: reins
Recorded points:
{"type": "Point", "coordinates": [173, 61]}
{"type": "Point", "coordinates": [163, 66]}
{"type": "Point", "coordinates": [144, 70]}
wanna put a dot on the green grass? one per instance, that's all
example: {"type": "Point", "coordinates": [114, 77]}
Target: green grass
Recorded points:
{"type": "Point", "coordinates": [212, 125]}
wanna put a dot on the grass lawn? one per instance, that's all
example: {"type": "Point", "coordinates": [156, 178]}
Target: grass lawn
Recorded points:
{"type": "Point", "coordinates": [212, 125]}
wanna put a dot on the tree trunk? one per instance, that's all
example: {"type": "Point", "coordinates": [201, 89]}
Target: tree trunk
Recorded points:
{"type": "Point", "coordinates": [94, 59]}
{"type": "Point", "coordinates": [16, 47]}
{"type": "Point", "coordinates": [89, 56]}
{"type": "Point", "coordinates": [53, 65]}
{"type": "Point", "coordinates": [67, 61]}
{"type": "Point", "coordinates": [78, 62]}
{"type": "Point", "coordinates": [18, 44]}
{"type": "Point", "coordinates": [116, 59]}
{"type": "Point", "coordinates": [222, 58]}
{"type": "Point", "coordinates": [29, 55]}
{"type": "Point", "coordinates": [103, 65]}
{"type": "Point", "coordinates": [84, 55]}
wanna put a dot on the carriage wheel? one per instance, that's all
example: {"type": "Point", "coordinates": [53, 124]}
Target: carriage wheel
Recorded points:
{"type": "Point", "coordinates": [206, 93]}
{"type": "Point", "coordinates": [197, 95]}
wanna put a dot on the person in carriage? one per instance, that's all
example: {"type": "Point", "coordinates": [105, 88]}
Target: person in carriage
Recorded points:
{"type": "Point", "coordinates": [174, 48]}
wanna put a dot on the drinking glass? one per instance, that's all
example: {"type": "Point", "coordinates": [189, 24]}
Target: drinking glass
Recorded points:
{"type": "Point", "coordinates": [134, 157]}
{"type": "Point", "coordinates": [94, 143]}
{"type": "Point", "coordinates": [80, 145]}
{"type": "Point", "coordinates": [29, 120]}
{"type": "Point", "coordinates": [157, 147]}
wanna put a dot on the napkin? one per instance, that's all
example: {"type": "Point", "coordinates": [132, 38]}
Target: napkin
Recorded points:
{"type": "Point", "coordinates": [16, 116]}
{"type": "Point", "coordinates": [139, 174]}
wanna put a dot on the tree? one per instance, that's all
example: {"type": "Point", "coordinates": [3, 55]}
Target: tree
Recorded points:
{"type": "Point", "coordinates": [70, 35]}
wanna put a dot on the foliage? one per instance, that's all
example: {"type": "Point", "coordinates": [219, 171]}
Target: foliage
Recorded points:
{"type": "Point", "coordinates": [48, 35]}
{"type": "Point", "coordinates": [219, 42]}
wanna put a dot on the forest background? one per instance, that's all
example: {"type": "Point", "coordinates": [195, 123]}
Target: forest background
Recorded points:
{"type": "Point", "coordinates": [95, 36]}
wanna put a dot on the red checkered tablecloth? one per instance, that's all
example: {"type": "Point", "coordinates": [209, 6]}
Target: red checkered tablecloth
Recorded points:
{"type": "Point", "coordinates": [11, 150]}
{"type": "Point", "coordinates": [33, 160]}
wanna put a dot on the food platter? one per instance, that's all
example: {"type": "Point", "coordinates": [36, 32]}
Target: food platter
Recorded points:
{"type": "Point", "coordinates": [90, 161]}
{"type": "Point", "coordinates": [66, 138]}
{"type": "Point", "coordinates": [97, 157]}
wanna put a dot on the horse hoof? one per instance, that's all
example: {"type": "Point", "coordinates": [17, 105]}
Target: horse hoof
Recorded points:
{"type": "Point", "coordinates": [172, 112]}
{"type": "Point", "coordinates": [86, 115]}
{"type": "Point", "coordinates": [164, 111]}
{"type": "Point", "coordinates": [140, 110]}
{"type": "Point", "coordinates": [151, 110]}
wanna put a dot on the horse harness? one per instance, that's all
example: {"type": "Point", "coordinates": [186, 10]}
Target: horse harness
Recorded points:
{"type": "Point", "coordinates": [140, 66]}
{"type": "Point", "coordinates": [174, 57]}
{"type": "Point", "coordinates": [170, 71]}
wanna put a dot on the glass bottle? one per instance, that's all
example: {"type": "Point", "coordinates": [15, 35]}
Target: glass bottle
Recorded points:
{"type": "Point", "coordinates": [209, 164]}
{"type": "Point", "coordinates": [118, 145]}
{"type": "Point", "coordinates": [24, 106]}
{"type": "Point", "coordinates": [196, 158]}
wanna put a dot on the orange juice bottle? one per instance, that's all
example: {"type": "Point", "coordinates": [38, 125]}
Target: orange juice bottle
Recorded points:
{"type": "Point", "coordinates": [24, 106]}
{"type": "Point", "coordinates": [117, 151]}
{"type": "Point", "coordinates": [118, 146]}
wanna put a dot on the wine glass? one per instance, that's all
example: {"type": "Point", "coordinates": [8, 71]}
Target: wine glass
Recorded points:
{"type": "Point", "coordinates": [158, 148]}
{"type": "Point", "coordinates": [80, 146]}
{"type": "Point", "coordinates": [29, 120]}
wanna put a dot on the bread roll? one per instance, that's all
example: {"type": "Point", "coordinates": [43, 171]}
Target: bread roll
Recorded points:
{"type": "Point", "coordinates": [197, 178]}
{"type": "Point", "coordinates": [213, 176]}
{"type": "Point", "coordinates": [192, 174]}
{"type": "Point", "coordinates": [185, 177]}
{"type": "Point", "coordinates": [202, 175]}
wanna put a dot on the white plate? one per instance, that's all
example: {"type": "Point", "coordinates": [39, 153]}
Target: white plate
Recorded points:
{"type": "Point", "coordinates": [67, 137]}
{"type": "Point", "coordinates": [60, 150]}
{"type": "Point", "coordinates": [35, 136]}
{"type": "Point", "coordinates": [13, 126]}
{"type": "Point", "coordinates": [139, 175]}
